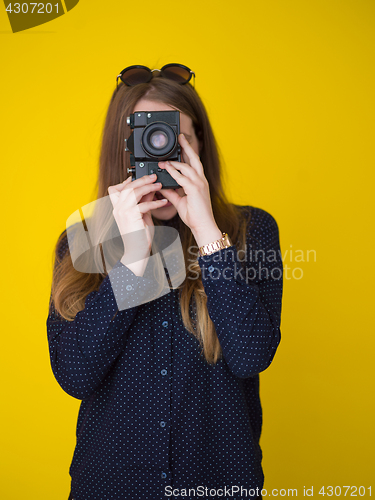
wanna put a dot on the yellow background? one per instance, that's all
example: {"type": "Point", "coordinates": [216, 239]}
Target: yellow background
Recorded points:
{"type": "Point", "coordinates": [289, 88]}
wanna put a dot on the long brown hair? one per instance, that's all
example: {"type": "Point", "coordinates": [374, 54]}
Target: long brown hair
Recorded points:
{"type": "Point", "coordinates": [71, 287]}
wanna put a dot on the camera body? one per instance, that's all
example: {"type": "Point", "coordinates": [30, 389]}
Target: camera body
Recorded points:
{"type": "Point", "coordinates": [154, 138]}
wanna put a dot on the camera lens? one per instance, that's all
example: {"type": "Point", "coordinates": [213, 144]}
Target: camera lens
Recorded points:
{"type": "Point", "coordinates": [158, 139]}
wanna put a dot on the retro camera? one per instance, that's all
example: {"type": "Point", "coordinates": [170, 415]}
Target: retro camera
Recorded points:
{"type": "Point", "coordinates": [154, 138]}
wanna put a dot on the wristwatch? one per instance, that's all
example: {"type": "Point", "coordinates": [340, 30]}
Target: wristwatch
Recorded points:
{"type": "Point", "coordinates": [210, 248]}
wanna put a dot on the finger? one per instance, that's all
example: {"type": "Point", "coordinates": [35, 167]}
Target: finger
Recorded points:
{"type": "Point", "coordinates": [148, 197]}
{"type": "Point", "coordinates": [121, 186]}
{"type": "Point", "coordinates": [182, 180]}
{"type": "Point", "coordinates": [141, 181]}
{"type": "Point", "coordinates": [185, 169]}
{"type": "Point", "coordinates": [185, 158]}
{"type": "Point", "coordinates": [150, 205]}
{"type": "Point", "coordinates": [145, 179]}
{"type": "Point", "coordinates": [129, 178]}
{"type": "Point", "coordinates": [192, 155]}
{"type": "Point", "coordinates": [138, 193]}
{"type": "Point", "coordinates": [171, 196]}
{"type": "Point", "coordinates": [114, 195]}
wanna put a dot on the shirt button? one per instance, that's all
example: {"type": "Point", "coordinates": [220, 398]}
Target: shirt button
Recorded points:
{"type": "Point", "coordinates": [163, 475]}
{"type": "Point", "coordinates": [163, 372]}
{"type": "Point", "coordinates": [165, 324]}
{"type": "Point", "coordinates": [211, 269]}
{"type": "Point", "coordinates": [129, 287]}
{"type": "Point", "coordinates": [162, 423]}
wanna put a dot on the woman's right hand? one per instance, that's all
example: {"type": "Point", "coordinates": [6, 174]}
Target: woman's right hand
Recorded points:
{"type": "Point", "coordinates": [132, 203]}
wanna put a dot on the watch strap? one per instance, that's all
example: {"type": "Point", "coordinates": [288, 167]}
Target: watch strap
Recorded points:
{"type": "Point", "coordinates": [220, 244]}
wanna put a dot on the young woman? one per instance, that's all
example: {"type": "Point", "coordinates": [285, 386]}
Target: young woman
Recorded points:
{"type": "Point", "coordinates": [169, 384]}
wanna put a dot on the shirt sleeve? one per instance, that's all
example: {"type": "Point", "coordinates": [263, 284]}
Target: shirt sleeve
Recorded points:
{"type": "Point", "coordinates": [83, 350]}
{"type": "Point", "coordinates": [244, 294]}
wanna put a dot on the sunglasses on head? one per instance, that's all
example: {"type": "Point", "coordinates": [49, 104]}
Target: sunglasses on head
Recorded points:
{"type": "Point", "coordinates": [133, 75]}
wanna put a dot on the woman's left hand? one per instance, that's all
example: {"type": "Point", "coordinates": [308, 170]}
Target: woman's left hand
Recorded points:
{"type": "Point", "coordinates": [194, 209]}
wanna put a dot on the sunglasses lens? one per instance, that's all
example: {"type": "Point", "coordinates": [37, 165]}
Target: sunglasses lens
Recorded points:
{"type": "Point", "coordinates": [176, 73]}
{"type": "Point", "coordinates": [135, 76]}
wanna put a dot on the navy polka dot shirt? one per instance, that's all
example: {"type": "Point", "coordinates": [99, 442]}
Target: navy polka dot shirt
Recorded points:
{"type": "Point", "coordinates": [156, 420]}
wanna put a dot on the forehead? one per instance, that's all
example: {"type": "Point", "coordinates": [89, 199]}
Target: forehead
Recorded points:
{"type": "Point", "coordinates": [148, 105]}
